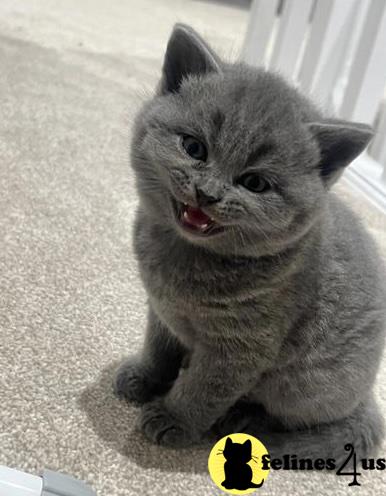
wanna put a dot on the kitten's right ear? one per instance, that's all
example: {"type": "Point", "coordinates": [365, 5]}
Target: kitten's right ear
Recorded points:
{"type": "Point", "coordinates": [186, 53]}
{"type": "Point", "coordinates": [248, 444]}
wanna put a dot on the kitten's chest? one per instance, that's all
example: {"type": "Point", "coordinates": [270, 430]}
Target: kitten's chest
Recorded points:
{"type": "Point", "coordinates": [182, 282]}
{"type": "Point", "coordinates": [188, 282]}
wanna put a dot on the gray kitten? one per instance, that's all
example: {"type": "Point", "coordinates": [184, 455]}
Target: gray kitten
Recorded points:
{"type": "Point", "coordinates": [266, 307]}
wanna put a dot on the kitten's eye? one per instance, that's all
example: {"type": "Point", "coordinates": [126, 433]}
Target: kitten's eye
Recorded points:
{"type": "Point", "coordinates": [254, 183]}
{"type": "Point", "coordinates": [194, 148]}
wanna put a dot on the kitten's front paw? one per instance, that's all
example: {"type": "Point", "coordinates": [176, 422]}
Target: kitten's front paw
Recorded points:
{"type": "Point", "coordinates": [162, 427]}
{"type": "Point", "coordinates": [132, 383]}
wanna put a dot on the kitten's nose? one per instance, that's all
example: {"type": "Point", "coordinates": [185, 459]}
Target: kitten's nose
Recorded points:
{"type": "Point", "coordinates": [205, 197]}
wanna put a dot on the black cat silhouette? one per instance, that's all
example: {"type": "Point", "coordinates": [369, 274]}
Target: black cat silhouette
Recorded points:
{"type": "Point", "coordinates": [238, 474]}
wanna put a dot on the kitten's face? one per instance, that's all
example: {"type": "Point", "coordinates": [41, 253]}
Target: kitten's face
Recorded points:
{"type": "Point", "coordinates": [224, 163]}
{"type": "Point", "coordinates": [227, 159]}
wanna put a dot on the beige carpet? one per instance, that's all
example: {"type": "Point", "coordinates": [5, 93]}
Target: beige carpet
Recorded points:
{"type": "Point", "coordinates": [71, 304]}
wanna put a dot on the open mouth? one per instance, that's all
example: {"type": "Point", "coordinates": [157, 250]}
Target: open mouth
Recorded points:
{"type": "Point", "coordinates": [195, 220]}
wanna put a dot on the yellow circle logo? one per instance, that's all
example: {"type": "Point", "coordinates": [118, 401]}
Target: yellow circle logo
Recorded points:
{"type": "Point", "coordinates": [236, 464]}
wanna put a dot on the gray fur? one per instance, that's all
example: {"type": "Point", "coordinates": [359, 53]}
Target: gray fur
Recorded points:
{"type": "Point", "coordinates": [276, 325]}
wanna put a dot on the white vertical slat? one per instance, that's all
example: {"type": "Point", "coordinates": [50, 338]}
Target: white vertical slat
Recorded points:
{"type": "Point", "coordinates": [320, 28]}
{"type": "Point", "coordinates": [334, 51]}
{"type": "Point", "coordinates": [261, 21]}
{"type": "Point", "coordinates": [378, 145]}
{"type": "Point", "coordinates": [293, 27]}
{"type": "Point", "coordinates": [367, 76]}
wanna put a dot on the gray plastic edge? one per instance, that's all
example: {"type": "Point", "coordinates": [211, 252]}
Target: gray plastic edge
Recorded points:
{"type": "Point", "coordinates": [57, 484]}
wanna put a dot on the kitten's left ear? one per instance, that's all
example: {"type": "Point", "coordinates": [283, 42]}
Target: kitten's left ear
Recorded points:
{"type": "Point", "coordinates": [339, 143]}
{"type": "Point", "coordinates": [186, 53]}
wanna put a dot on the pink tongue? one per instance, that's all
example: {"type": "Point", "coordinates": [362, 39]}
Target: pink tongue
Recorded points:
{"type": "Point", "coordinates": [195, 217]}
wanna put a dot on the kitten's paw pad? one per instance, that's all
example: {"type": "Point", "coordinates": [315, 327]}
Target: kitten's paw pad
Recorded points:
{"type": "Point", "coordinates": [130, 382]}
{"type": "Point", "coordinates": [161, 427]}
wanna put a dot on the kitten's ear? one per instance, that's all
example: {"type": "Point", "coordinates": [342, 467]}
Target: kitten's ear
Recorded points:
{"type": "Point", "coordinates": [248, 445]}
{"type": "Point", "coordinates": [228, 443]}
{"type": "Point", "coordinates": [186, 53]}
{"type": "Point", "coordinates": [339, 143]}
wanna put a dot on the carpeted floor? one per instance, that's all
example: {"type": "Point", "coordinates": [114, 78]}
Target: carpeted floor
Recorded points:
{"type": "Point", "coordinates": [71, 305]}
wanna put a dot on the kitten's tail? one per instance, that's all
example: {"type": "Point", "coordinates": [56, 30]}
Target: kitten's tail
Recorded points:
{"type": "Point", "coordinates": [253, 485]}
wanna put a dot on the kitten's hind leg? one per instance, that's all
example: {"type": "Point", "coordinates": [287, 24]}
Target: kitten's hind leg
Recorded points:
{"type": "Point", "coordinates": [141, 378]}
{"type": "Point", "coordinates": [363, 428]}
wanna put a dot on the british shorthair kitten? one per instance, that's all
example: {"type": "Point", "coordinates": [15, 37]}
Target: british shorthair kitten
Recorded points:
{"type": "Point", "coordinates": [266, 298]}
